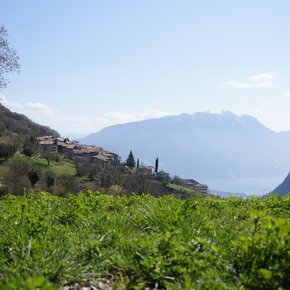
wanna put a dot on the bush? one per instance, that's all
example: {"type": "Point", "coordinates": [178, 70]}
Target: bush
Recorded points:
{"type": "Point", "coordinates": [7, 150]}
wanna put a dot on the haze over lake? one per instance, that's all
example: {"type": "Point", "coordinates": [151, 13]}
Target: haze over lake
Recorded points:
{"type": "Point", "coordinates": [249, 186]}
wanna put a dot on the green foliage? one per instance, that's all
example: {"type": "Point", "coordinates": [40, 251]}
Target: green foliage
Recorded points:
{"type": "Point", "coordinates": [139, 242]}
{"type": "Point", "coordinates": [33, 171]}
{"type": "Point", "coordinates": [58, 168]}
{"type": "Point", "coordinates": [7, 150]}
{"type": "Point", "coordinates": [261, 258]}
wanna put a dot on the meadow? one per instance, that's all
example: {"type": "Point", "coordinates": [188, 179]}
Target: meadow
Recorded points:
{"type": "Point", "coordinates": [142, 242]}
{"type": "Point", "coordinates": [65, 166]}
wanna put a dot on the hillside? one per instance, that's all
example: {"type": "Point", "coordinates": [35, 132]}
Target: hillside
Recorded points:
{"type": "Point", "coordinates": [69, 168]}
{"type": "Point", "coordinates": [18, 127]}
{"type": "Point", "coordinates": [284, 187]}
{"type": "Point", "coordinates": [202, 145]}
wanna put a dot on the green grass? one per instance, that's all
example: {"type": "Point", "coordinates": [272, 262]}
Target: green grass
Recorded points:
{"type": "Point", "coordinates": [58, 168]}
{"type": "Point", "coordinates": [140, 241]}
{"type": "Point", "coordinates": [65, 167]}
{"type": "Point", "coordinates": [186, 189]}
{"type": "Point", "coordinates": [29, 160]}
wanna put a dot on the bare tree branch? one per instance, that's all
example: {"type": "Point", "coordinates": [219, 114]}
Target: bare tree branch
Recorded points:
{"type": "Point", "coordinates": [9, 60]}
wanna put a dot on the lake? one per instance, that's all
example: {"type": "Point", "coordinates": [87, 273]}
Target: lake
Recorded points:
{"type": "Point", "coordinates": [249, 186]}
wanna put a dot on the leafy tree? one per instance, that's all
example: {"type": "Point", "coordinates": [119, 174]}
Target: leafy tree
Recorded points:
{"type": "Point", "coordinates": [47, 181]}
{"type": "Point", "coordinates": [30, 146]}
{"type": "Point", "coordinates": [27, 151]}
{"type": "Point", "coordinates": [131, 160]}
{"type": "Point", "coordinates": [66, 184]}
{"type": "Point", "coordinates": [16, 177]}
{"type": "Point", "coordinates": [7, 150]}
{"type": "Point", "coordinates": [49, 155]}
{"type": "Point", "coordinates": [46, 156]}
{"type": "Point", "coordinates": [163, 177]}
{"type": "Point", "coordinates": [142, 184]}
{"type": "Point", "coordinates": [9, 61]}
{"type": "Point", "coordinates": [109, 176]}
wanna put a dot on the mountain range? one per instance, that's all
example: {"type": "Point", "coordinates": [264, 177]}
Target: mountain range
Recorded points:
{"type": "Point", "coordinates": [201, 145]}
{"type": "Point", "coordinates": [284, 187]}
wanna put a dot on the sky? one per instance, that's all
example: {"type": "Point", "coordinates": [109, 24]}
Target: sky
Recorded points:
{"type": "Point", "coordinates": [90, 64]}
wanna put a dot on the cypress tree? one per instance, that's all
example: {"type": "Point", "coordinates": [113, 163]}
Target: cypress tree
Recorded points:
{"type": "Point", "coordinates": [131, 160]}
{"type": "Point", "coordinates": [33, 176]}
{"type": "Point", "coordinates": [156, 164]}
{"type": "Point", "coordinates": [138, 163]}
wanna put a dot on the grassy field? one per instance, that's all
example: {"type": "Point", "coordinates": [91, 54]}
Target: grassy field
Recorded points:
{"type": "Point", "coordinates": [142, 242]}
{"type": "Point", "coordinates": [190, 191]}
{"type": "Point", "coordinates": [58, 168]}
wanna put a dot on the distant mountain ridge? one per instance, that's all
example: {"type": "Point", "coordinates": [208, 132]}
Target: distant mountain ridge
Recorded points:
{"type": "Point", "coordinates": [202, 145]}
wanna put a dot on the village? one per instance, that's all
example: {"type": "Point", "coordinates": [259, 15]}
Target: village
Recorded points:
{"type": "Point", "coordinates": [90, 153]}
{"type": "Point", "coordinates": [74, 150]}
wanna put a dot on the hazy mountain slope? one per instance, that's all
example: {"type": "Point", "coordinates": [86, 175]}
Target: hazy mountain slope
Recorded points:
{"type": "Point", "coordinates": [284, 187]}
{"type": "Point", "coordinates": [285, 135]}
{"type": "Point", "coordinates": [19, 126]}
{"type": "Point", "coordinates": [202, 145]}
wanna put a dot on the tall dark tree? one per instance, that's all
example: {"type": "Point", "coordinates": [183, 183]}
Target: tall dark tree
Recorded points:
{"type": "Point", "coordinates": [50, 181]}
{"type": "Point", "coordinates": [33, 176]}
{"type": "Point", "coordinates": [9, 61]}
{"type": "Point", "coordinates": [131, 160]}
{"type": "Point", "coordinates": [156, 164]}
{"type": "Point", "coordinates": [138, 165]}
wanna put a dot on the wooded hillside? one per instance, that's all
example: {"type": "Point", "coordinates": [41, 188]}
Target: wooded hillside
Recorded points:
{"type": "Point", "coordinates": [18, 127]}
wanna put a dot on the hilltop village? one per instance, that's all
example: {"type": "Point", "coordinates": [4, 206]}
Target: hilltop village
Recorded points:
{"type": "Point", "coordinates": [25, 146]}
{"type": "Point", "coordinates": [71, 166]}
{"type": "Point", "coordinates": [76, 151]}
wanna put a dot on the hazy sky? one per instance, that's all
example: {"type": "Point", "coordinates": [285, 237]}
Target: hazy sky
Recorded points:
{"type": "Point", "coordinates": [88, 64]}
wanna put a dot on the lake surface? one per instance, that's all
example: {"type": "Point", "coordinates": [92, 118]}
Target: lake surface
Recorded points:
{"type": "Point", "coordinates": [249, 186]}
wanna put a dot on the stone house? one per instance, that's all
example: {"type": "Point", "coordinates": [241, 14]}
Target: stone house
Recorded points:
{"type": "Point", "coordinates": [75, 151]}
{"type": "Point", "coordinates": [202, 188]}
